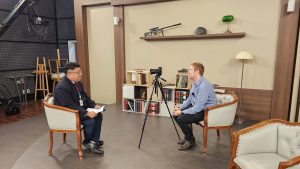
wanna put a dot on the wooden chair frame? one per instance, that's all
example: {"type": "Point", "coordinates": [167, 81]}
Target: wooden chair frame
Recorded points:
{"type": "Point", "coordinates": [218, 128]}
{"type": "Point", "coordinates": [77, 131]}
{"type": "Point", "coordinates": [236, 135]}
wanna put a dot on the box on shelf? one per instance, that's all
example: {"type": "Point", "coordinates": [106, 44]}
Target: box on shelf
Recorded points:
{"type": "Point", "coordinates": [138, 77]}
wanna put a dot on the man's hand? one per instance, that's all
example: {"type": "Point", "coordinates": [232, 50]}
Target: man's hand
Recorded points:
{"type": "Point", "coordinates": [97, 106]}
{"type": "Point", "coordinates": [91, 114]}
{"type": "Point", "coordinates": [176, 112]}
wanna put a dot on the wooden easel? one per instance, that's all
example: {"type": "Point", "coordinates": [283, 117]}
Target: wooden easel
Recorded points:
{"type": "Point", "coordinates": [41, 75]}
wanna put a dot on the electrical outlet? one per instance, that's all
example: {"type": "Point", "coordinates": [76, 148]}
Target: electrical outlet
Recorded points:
{"type": "Point", "coordinates": [28, 90]}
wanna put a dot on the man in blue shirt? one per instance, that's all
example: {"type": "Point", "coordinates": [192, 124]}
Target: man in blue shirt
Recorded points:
{"type": "Point", "coordinates": [202, 95]}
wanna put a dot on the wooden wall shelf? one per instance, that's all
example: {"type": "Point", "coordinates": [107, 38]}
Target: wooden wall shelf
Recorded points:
{"type": "Point", "coordinates": [194, 37]}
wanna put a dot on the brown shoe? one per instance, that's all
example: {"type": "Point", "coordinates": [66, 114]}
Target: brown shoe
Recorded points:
{"type": "Point", "coordinates": [186, 145]}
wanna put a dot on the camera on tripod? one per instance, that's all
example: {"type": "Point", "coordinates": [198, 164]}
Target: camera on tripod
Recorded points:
{"type": "Point", "coordinates": [157, 71]}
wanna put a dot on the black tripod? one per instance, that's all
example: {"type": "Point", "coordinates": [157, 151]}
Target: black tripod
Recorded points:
{"type": "Point", "coordinates": [157, 84]}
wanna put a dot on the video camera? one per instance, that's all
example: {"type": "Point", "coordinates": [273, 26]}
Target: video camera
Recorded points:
{"type": "Point", "coordinates": [157, 71]}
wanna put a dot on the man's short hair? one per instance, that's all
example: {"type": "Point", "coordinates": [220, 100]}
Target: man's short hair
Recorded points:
{"type": "Point", "coordinates": [198, 66]}
{"type": "Point", "coordinates": [71, 66]}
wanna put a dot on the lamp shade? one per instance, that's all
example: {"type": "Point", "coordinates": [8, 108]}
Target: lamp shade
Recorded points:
{"type": "Point", "coordinates": [243, 55]}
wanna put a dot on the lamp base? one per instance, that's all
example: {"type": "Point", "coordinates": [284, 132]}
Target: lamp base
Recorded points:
{"type": "Point", "coordinates": [228, 31]}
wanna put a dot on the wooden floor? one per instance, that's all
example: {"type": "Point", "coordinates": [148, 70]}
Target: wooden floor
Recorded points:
{"type": "Point", "coordinates": [29, 109]}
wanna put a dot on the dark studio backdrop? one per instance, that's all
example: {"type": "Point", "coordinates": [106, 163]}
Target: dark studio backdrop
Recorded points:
{"type": "Point", "coordinates": [19, 48]}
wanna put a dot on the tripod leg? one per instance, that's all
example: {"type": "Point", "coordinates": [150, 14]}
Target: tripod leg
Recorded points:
{"type": "Point", "coordinates": [146, 116]}
{"type": "Point", "coordinates": [163, 96]}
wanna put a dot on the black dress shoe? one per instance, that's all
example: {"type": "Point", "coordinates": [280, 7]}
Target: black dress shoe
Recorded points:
{"type": "Point", "coordinates": [91, 146]}
{"type": "Point", "coordinates": [100, 143]}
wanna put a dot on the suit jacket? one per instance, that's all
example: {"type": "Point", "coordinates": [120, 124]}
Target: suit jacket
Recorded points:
{"type": "Point", "coordinates": [66, 94]}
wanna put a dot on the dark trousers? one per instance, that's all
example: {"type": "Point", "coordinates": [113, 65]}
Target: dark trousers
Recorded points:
{"type": "Point", "coordinates": [184, 121]}
{"type": "Point", "coordinates": [92, 128]}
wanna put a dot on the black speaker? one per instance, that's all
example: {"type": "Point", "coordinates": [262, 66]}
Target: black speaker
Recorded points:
{"type": "Point", "coordinates": [12, 108]}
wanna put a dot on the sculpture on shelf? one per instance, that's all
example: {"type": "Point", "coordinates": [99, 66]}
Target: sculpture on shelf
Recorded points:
{"type": "Point", "coordinates": [156, 31]}
{"type": "Point", "coordinates": [200, 31]}
{"type": "Point", "coordinates": [227, 19]}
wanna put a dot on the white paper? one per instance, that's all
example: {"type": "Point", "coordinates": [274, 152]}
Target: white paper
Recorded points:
{"type": "Point", "coordinates": [96, 110]}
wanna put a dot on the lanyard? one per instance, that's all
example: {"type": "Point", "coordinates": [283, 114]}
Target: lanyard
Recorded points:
{"type": "Point", "coordinates": [78, 92]}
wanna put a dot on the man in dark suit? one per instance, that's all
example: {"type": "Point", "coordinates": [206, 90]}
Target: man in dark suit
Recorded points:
{"type": "Point", "coordinates": [69, 93]}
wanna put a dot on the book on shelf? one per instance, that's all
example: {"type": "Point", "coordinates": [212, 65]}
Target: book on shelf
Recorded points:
{"type": "Point", "coordinates": [153, 108]}
{"type": "Point", "coordinates": [182, 81]}
{"type": "Point", "coordinates": [139, 105]}
{"type": "Point", "coordinates": [128, 104]}
{"type": "Point", "coordinates": [168, 94]}
{"type": "Point", "coordinates": [181, 96]}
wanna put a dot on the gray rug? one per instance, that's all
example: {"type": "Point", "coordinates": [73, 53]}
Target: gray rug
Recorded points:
{"type": "Point", "coordinates": [121, 133]}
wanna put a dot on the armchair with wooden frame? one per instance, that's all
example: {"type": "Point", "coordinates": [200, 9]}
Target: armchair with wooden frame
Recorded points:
{"type": "Point", "coordinates": [271, 144]}
{"type": "Point", "coordinates": [220, 116]}
{"type": "Point", "coordinates": [62, 120]}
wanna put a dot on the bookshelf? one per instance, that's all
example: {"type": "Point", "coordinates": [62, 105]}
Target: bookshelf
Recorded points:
{"type": "Point", "coordinates": [196, 37]}
{"type": "Point", "coordinates": [136, 94]}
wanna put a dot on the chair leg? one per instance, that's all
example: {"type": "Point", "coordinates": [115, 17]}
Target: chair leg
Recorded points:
{"type": "Point", "coordinates": [51, 143]}
{"type": "Point", "coordinates": [64, 137]}
{"type": "Point", "coordinates": [204, 140]}
{"type": "Point", "coordinates": [218, 133]}
{"type": "Point", "coordinates": [230, 135]}
{"type": "Point", "coordinates": [78, 133]}
{"type": "Point", "coordinates": [231, 166]}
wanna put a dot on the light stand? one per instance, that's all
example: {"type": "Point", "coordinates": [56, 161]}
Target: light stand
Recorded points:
{"type": "Point", "coordinates": [242, 56]}
{"type": "Point", "coordinates": [156, 84]}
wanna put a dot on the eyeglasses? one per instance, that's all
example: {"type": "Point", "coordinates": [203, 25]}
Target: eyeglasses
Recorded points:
{"type": "Point", "coordinates": [79, 73]}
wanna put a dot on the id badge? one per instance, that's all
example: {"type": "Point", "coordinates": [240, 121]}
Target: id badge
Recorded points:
{"type": "Point", "coordinates": [81, 102]}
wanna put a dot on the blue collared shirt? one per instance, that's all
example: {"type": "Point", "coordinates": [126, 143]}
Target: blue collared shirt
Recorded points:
{"type": "Point", "coordinates": [202, 95]}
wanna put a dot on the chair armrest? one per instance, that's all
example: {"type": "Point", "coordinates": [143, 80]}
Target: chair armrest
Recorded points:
{"type": "Point", "coordinates": [220, 115]}
{"type": "Point", "coordinates": [290, 163]}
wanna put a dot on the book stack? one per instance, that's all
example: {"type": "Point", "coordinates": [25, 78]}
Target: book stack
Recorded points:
{"type": "Point", "coordinates": [128, 104]}
{"type": "Point", "coordinates": [153, 108]}
{"type": "Point", "coordinates": [139, 105]}
{"type": "Point", "coordinates": [182, 81]}
{"type": "Point", "coordinates": [168, 94]}
{"type": "Point", "coordinates": [181, 96]}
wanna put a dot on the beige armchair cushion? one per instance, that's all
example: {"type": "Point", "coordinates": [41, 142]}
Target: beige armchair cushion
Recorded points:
{"type": "Point", "coordinates": [288, 141]}
{"type": "Point", "coordinates": [59, 119]}
{"type": "Point", "coordinates": [224, 115]}
{"type": "Point", "coordinates": [261, 140]}
{"type": "Point", "coordinates": [259, 161]}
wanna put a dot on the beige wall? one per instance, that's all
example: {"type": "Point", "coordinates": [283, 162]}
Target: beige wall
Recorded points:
{"type": "Point", "coordinates": [258, 18]}
{"type": "Point", "coordinates": [295, 86]}
{"type": "Point", "coordinates": [101, 54]}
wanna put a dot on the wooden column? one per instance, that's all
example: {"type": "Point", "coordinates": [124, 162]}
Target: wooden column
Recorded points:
{"type": "Point", "coordinates": [285, 61]}
{"type": "Point", "coordinates": [119, 52]}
